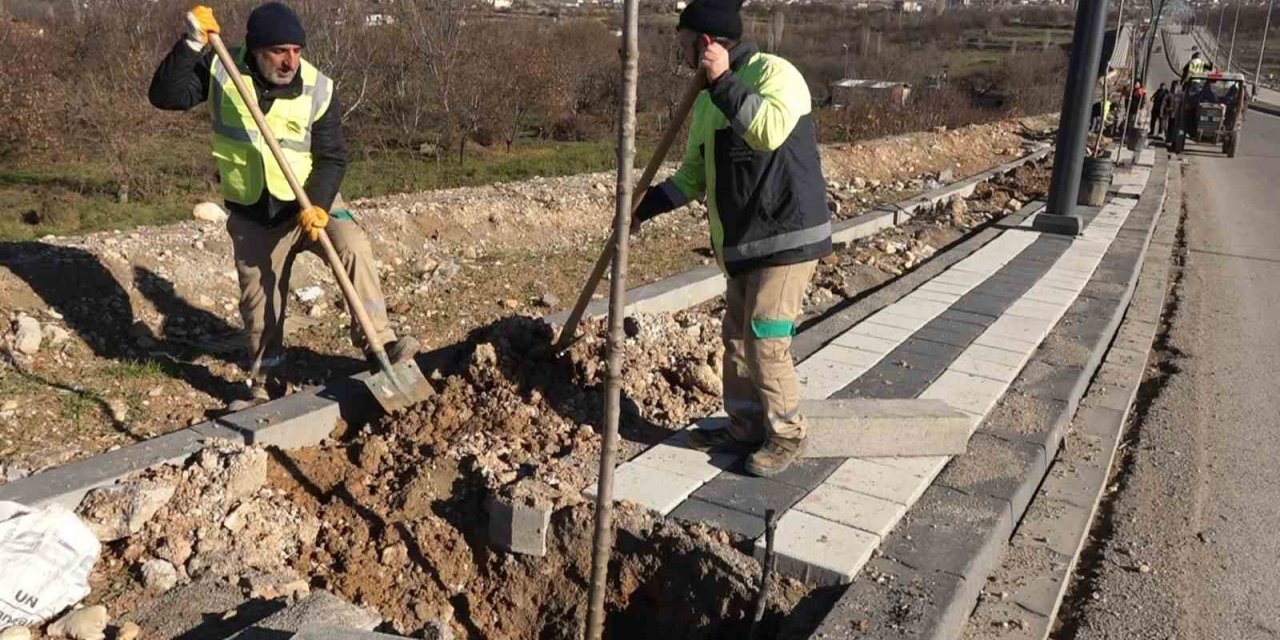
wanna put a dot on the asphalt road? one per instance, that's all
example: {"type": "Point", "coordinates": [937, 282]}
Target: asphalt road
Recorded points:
{"type": "Point", "coordinates": [1188, 545]}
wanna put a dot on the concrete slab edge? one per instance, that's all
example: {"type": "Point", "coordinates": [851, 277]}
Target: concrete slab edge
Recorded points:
{"type": "Point", "coordinates": [997, 536]}
{"type": "Point", "coordinates": [1108, 425]}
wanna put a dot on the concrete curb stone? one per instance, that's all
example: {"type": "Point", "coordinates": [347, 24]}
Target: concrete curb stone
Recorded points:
{"type": "Point", "coordinates": [972, 553]}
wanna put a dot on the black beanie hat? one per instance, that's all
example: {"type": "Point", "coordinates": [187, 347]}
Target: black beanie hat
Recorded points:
{"type": "Point", "coordinates": [274, 23]}
{"type": "Point", "coordinates": [716, 18]}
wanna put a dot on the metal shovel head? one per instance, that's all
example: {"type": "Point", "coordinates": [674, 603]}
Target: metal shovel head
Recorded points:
{"type": "Point", "coordinates": [403, 386]}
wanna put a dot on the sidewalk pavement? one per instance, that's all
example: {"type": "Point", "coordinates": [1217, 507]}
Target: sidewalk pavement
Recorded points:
{"type": "Point", "coordinates": [961, 337]}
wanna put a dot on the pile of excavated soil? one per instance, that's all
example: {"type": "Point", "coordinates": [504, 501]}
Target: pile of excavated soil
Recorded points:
{"type": "Point", "coordinates": [393, 516]}
{"type": "Point", "coordinates": [144, 328]}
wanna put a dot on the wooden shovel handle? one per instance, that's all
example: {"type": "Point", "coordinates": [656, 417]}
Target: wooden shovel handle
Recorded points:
{"type": "Point", "coordinates": [695, 86]}
{"type": "Point", "coordinates": [331, 254]}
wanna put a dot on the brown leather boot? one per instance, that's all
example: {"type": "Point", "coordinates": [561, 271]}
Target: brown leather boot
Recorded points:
{"type": "Point", "coordinates": [775, 456]}
{"type": "Point", "coordinates": [719, 440]}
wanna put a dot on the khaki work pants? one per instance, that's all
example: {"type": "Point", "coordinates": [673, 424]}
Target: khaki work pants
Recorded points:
{"type": "Point", "coordinates": [264, 261]}
{"type": "Point", "coordinates": [761, 391]}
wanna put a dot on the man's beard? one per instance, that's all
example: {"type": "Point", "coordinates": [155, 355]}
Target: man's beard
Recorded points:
{"type": "Point", "coordinates": [278, 78]}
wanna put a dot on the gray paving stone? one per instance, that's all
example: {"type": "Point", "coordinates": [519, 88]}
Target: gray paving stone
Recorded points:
{"type": "Point", "coordinates": [858, 510]}
{"type": "Point", "coordinates": [956, 334]}
{"type": "Point", "coordinates": [930, 349]}
{"type": "Point", "coordinates": [1051, 382]}
{"type": "Point", "coordinates": [736, 522]}
{"type": "Point", "coordinates": [880, 428]}
{"type": "Point", "coordinates": [806, 473]}
{"type": "Point", "coordinates": [336, 633]}
{"type": "Point", "coordinates": [321, 608]}
{"type": "Point", "coordinates": [953, 532]}
{"type": "Point", "coordinates": [891, 600]}
{"type": "Point", "coordinates": [984, 304]}
{"type": "Point", "coordinates": [818, 551]}
{"type": "Point", "coordinates": [1008, 470]}
{"type": "Point", "coordinates": [1033, 576]}
{"type": "Point", "coordinates": [967, 317]}
{"type": "Point", "coordinates": [900, 374]}
{"type": "Point", "coordinates": [295, 421]}
{"type": "Point", "coordinates": [749, 494]}
{"type": "Point", "coordinates": [1077, 483]}
{"type": "Point", "coordinates": [1054, 524]}
{"type": "Point", "coordinates": [66, 484]}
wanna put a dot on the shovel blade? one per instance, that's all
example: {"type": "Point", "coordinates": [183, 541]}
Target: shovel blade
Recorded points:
{"type": "Point", "coordinates": [400, 387]}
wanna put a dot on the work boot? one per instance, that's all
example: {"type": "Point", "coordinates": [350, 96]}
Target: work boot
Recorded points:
{"type": "Point", "coordinates": [397, 351]}
{"type": "Point", "coordinates": [719, 440]}
{"type": "Point", "coordinates": [775, 456]}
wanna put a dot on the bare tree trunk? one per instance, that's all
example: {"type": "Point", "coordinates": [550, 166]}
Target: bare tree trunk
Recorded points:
{"type": "Point", "coordinates": [603, 538]}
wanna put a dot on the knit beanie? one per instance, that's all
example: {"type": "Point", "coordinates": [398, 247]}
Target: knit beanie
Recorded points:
{"type": "Point", "coordinates": [716, 18]}
{"type": "Point", "coordinates": [272, 24]}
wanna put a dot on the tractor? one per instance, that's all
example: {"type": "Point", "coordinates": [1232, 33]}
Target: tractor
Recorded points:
{"type": "Point", "coordinates": [1209, 108]}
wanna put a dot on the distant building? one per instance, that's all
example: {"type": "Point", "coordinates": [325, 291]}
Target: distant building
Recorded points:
{"type": "Point", "coordinates": [907, 6]}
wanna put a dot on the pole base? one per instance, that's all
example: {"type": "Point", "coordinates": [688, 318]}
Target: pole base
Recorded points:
{"type": "Point", "coordinates": [1053, 223]}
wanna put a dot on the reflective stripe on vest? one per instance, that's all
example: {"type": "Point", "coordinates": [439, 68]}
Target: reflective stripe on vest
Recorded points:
{"type": "Point", "coordinates": [245, 162]}
{"type": "Point", "coordinates": [1198, 65]}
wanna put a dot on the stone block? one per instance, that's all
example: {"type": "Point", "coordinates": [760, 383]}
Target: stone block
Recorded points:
{"type": "Point", "coordinates": [657, 490]}
{"type": "Point", "coordinates": [295, 421]}
{"type": "Point", "coordinates": [749, 494]}
{"type": "Point", "coordinates": [874, 427]}
{"type": "Point", "coordinates": [886, 482]}
{"type": "Point", "coordinates": [518, 527]}
{"type": "Point", "coordinates": [736, 522]}
{"type": "Point", "coordinates": [954, 532]}
{"type": "Point", "coordinates": [857, 510]}
{"type": "Point", "coordinates": [818, 551]}
{"type": "Point", "coordinates": [673, 455]}
{"type": "Point", "coordinates": [320, 609]}
{"type": "Point", "coordinates": [966, 392]}
{"type": "Point", "coordinates": [891, 600]}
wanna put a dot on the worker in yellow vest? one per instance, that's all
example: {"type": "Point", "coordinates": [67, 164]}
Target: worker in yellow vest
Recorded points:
{"type": "Point", "coordinates": [266, 226]}
{"type": "Point", "coordinates": [1197, 65]}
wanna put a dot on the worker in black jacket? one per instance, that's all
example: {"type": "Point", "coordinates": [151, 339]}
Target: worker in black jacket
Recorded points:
{"type": "Point", "coordinates": [266, 226]}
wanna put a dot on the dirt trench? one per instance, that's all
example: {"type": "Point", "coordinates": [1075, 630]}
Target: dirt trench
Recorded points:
{"type": "Point", "coordinates": [391, 514]}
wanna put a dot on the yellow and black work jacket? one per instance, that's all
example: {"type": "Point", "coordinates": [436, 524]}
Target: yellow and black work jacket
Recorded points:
{"type": "Point", "coordinates": [304, 116]}
{"type": "Point", "coordinates": [753, 154]}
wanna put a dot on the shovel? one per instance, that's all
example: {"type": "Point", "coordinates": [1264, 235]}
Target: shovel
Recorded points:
{"type": "Point", "coordinates": [695, 86]}
{"type": "Point", "coordinates": [393, 386]}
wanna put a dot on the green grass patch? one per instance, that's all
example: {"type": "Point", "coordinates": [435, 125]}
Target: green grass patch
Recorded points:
{"type": "Point", "coordinates": [76, 196]}
{"type": "Point", "coordinates": [136, 369]}
{"type": "Point", "coordinates": [77, 404]}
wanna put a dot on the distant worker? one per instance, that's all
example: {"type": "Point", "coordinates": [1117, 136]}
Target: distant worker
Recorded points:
{"type": "Point", "coordinates": [1137, 99]}
{"type": "Point", "coordinates": [1171, 108]}
{"type": "Point", "coordinates": [1157, 111]}
{"type": "Point", "coordinates": [266, 227]}
{"type": "Point", "coordinates": [752, 141]}
{"type": "Point", "coordinates": [1100, 115]}
{"type": "Point", "coordinates": [1197, 65]}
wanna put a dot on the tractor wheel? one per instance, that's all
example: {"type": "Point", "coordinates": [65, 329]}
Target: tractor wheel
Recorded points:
{"type": "Point", "coordinates": [1179, 143]}
{"type": "Point", "coordinates": [1229, 147]}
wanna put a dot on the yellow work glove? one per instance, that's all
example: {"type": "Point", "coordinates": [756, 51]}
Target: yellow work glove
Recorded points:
{"type": "Point", "coordinates": [311, 220]}
{"type": "Point", "coordinates": [200, 23]}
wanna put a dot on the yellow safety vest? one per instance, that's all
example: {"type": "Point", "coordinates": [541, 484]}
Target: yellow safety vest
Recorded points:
{"type": "Point", "coordinates": [1198, 65]}
{"type": "Point", "coordinates": [244, 160]}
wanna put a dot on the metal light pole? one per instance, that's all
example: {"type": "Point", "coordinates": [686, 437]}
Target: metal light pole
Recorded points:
{"type": "Point", "coordinates": [1073, 127]}
{"type": "Point", "coordinates": [1232, 51]}
{"type": "Point", "coordinates": [1257, 73]}
{"type": "Point", "coordinates": [1217, 41]}
{"type": "Point", "coordinates": [846, 60]}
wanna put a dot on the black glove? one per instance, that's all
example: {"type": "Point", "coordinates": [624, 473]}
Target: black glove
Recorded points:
{"type": "Point", "coordinates": [654, 203]}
